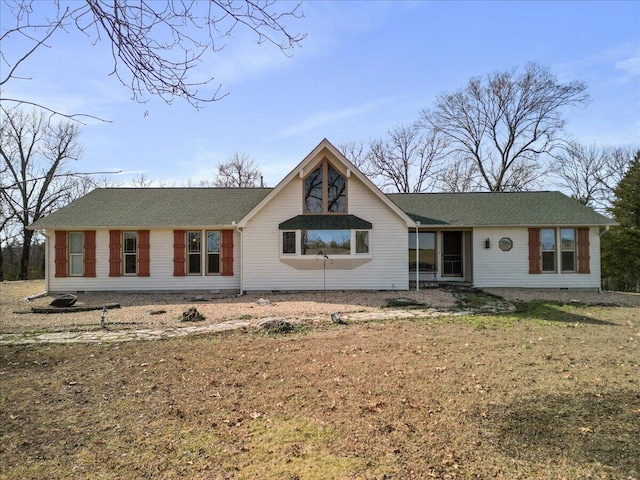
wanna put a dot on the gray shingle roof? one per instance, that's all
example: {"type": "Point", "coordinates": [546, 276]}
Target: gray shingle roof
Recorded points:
{"type": "Point", "coordinates": [202, 207]}
{"type": "Point", "coordinates": [156, 207]}
{"type": "Point", "coordinates": [497, 209]}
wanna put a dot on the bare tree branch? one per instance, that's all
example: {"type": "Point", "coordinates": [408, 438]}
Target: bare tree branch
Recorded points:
{"type": "Point", "coordinates": [591, 173]}
{"type": "Point", "coordinates": [507, 123]}
{"type": "Point", "coordinates": [407, 160]}
{"type": "Point", "coordinates": [239, 171]}
{"type": "Point", "coordinates": [155, 44]}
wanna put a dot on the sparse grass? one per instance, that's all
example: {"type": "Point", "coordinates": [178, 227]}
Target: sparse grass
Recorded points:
{"type": "Point", "coordinates": [548, 391]}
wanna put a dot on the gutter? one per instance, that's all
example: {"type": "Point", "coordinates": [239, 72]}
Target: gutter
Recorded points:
{"type": "Point", "coordinates": [606, 229]}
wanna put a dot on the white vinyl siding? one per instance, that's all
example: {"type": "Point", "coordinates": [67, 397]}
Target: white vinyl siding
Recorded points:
{"type": "Point", "coordinates": [496, 268]}
{"type": "Point", "coordinates": [161, 267]}
{"type": "Point", "coordinates": [385, 268]}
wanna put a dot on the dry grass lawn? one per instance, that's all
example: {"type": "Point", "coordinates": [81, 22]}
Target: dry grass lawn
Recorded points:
{"type": "Point", "coordinates": [547, 392]}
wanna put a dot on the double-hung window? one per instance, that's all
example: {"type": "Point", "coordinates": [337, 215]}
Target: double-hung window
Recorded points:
{"type": "Point", "coordinates": [548, 246]}
{"type": "Point", "coordinates": [362, 241]}
{"type": "Point", "coordinates": [194, 253]}
{"type": "Point", "coordinates": [559, 250]}
{"type": "Point", "coordinates": [289, 243]}
{"type": "Point", "coordinates": [130, 252]}
{"type": "Point", "coordinates": [213, 253]}
{"type": "Point", "coordinates": [568, 249]}
{"type": "Point", "coordinates": [76, 257]}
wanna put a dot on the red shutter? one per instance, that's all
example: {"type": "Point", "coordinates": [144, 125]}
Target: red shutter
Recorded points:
{"type": "Point", "coordinates": [143, 253]}
{"type": "Point", "coordinates": [61, 253]}
{"type": "Point", "coordinates": [89, 253]}
{"type": "Point", "coordinates": [115, 261]}
{"type": "Point", "coordinates": [534, 251]}
{"type": "Point", "coordinates": [179, 252]}
{"type": "Point", "coordinates": [583, 250]}
{"type": "Point", "coordinates": [227, 252]}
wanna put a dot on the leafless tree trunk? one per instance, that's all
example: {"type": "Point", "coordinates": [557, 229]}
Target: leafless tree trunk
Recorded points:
{"type": "Point", "coordinates": [238, 172]}
{"type": "Point", "coordinates": [155, 44]}
{"type": "Point", "coordinates": [407, 161]}
{"type": "Point", "coordinates": [591, 173]}
{"type": "Point", "coordinates": [506, 122]}
{"type": "Point", "coordinates": [34, 153]}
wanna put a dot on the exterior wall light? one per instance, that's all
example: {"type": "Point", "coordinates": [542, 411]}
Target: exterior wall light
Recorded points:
{"type": "Point", "coordinates": [487, 243]}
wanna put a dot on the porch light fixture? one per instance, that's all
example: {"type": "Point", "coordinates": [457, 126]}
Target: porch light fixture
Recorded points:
{"type": "Point", "coordinates": [487, 243]}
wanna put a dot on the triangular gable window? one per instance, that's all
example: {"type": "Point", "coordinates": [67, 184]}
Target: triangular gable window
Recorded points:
{"type": "Point", "coordinates": [325, 190]}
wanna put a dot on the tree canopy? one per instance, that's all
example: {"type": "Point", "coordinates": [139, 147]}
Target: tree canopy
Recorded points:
{"type": "Point", "coordinates": [621, 247]}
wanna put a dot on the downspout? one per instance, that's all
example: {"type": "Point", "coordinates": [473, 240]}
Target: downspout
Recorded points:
{"type": "Point", "coordinates": [241, 257]}
{"type": "Point", "coordinates": [417, 256]}
{"type": "Point", "coordinates": [46, 261]}
{"type": "Point", "coordinates": [606, 229]}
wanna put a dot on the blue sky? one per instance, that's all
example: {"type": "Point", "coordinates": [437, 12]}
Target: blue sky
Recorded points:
{"type": "Point", "coordinates": [364, 67]}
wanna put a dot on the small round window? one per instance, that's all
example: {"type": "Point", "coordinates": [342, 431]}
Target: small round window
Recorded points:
{"type": "Point", "coordinates": [505, 244]}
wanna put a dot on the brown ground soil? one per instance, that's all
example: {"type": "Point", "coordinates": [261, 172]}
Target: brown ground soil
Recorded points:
{"type": "Point", "coordinates": [216, 308]}
{"type": "Point", "coordinates": [547, 392]}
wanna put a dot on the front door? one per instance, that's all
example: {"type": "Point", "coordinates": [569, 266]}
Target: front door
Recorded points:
{"type": "Point", "coordinates": [452, 262]}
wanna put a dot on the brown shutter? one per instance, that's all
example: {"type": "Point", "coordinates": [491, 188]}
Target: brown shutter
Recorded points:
{"type": "Point", "coordinates": [583, 251]}
{"type": "Point", "coordinates": [61, 253]}
{"type": "Point", "coordinates": [143, 253]}
{"type": "Point", "coordinates": [115, 260]}
{"type": "Point", "coordinates": [534, 251]}
{"type": "Point", "coordinates": [227, 252]}
{"type": "Point", "coordinates": [179, 249]}
{"type": "Point", "coordinates": [89, 253]}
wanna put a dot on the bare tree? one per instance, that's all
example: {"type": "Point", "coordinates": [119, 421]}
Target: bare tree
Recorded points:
{"type": "Point", "coordinates": [508, 123]}
{"type": "Point", "coordinates": [35, 180]}
{"type": "Point", "coordinates": [357, 152]}
{"type": "Point", "coordinates": [142, 180]}
{"type": "Point", "coordinates": [155, 44]}
{"type": "Point", "coordinates": [238, 171]}
{"type": "Point", "coordinates": [459, 176]}
{"type": "Point", "coordinates": [591, 173]}
{"type": "Point", "coordinates": [407, 160]}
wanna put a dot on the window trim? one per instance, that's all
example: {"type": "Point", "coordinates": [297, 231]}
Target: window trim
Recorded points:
{"type": "Point", "coordinates": [295, 243]}
{"type": "Point", "coordinates": [574, 250]}
{"type": "Point", "coordinates": [555, 251]}
{"type": "Point", "coordinates": [336, 255]}
{"type": "Point", "coordinates": [188, 253]}
{"type": "Point", "coordinates": [75, 254]}
{"type": "Point", "coordinates": [219, 253]}
{"type": "Point", "coordinates": [352, 247]}
{"type": "Point", "coordinates": [125, 254]}
{"type": "Point", "coordinates": [354, 242]}
{"type": "Point", "coordinates": [324, 167]}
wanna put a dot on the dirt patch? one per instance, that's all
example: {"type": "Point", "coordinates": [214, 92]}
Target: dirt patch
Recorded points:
{"type": "Point", "coordinates": [139, 310]}
{"type": "Point", "coordinates": [550, 392]}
